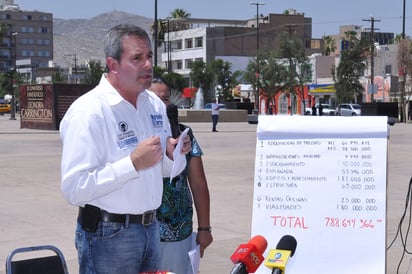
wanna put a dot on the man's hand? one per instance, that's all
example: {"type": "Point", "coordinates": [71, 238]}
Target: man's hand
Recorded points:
{"type": "Point", "coordinates": [148, 153]}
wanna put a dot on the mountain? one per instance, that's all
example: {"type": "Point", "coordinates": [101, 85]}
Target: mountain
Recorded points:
{"type": "Point", "coordinates": [82, 39]}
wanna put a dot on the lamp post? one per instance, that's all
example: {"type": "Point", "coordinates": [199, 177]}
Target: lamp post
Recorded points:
{"type": "Point", "coordinates": [156, 25]}
{"type": "Point", "coordinates": [13, 100]}
{"type": "Point", "coordinates": [257, 75]}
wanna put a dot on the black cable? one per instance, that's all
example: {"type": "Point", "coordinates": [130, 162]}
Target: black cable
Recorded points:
{"type": "Point", "coordinates": [399, 233]}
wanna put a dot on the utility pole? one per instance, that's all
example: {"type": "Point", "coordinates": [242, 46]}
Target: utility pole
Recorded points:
{"type": "Point", "coordinates": [402, 114]}
{"type": "Point", "coordinates": [291, 29]}
{"type": "Point", "coordinates": [257, 75]}
{"type": "Point", "coordinates": [13, 75]}
{"type": "Point", "coordinates": [372, 38]}
{"type": "Point", "coordinates": [156, 25]}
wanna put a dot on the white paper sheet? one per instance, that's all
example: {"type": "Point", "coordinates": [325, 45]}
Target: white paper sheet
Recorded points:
{"type": "Point", "coordinates": [179, 159]}
{"type": "Point", "coordinates": [194, 255]}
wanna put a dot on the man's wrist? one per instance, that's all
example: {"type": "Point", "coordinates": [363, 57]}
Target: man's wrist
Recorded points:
{"type": "Point", "coordinates": [204, 228]}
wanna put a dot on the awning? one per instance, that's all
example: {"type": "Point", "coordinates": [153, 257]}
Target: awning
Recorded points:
{"type": "Point", "coordinates": [189, 92]}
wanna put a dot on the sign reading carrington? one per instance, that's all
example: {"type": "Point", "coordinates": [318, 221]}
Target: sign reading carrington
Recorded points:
{"type": "Point", "coordinates": [36, 103]}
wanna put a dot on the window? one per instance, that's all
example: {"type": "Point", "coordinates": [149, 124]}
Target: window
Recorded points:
{"type": "Point", "coordinates": [27, 17]}
{"type": "Point", "coordinates": [179, 64]}
{"type": "Point", "coordinates": [188, 63]}
{"type": "Point", "coordinates": [388, 69]}
{"type": "Point", "coordinates": [27, 53]}
{"type": "Point", "coordinates": [43, 53]}
{"type": "Point", "coordinates": [189, 43]}
{"type": "Point", "coordinates": [27, 41]}
{"type": "Point", "coordinates": [177, 44]}
{"type": "Point", "coordinates": [27, 29]}
{"type": "Point", "coordinates": [43, 42]}
{"type": "Point", "coordinates": [43, 30]}
{"type": "Point", "coordinates": [198, 59]}
{"type": "Point", "coordinates": [199, 42]}
{"type": "Point", "coordinates": [315, 44]}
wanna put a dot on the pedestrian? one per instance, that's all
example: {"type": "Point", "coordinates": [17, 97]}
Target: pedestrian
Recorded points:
{"type": "Point", "coordinates": [320, 109]}
{"type": "Point", "coordinates": [215, 114]}
{"type": "Point", "coordinates": [313, 110]}
{"type": "Point", "coordinates": [175, 215]}
{"type": "Point", "coordinates": [116, 151]}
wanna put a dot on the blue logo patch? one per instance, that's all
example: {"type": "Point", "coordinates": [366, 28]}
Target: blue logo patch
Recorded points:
{"type": "Point", "coordinates": [157, 120]}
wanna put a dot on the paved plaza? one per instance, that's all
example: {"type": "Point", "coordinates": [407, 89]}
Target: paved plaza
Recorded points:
{"type": "Point", "coordinates": [33, 212]}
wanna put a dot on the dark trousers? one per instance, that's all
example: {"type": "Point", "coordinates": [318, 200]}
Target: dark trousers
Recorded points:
{"type": "Point", "coordinates": [215, 119]}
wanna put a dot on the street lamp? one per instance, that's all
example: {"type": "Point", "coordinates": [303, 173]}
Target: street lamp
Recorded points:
{"type": "Point", "coordinates": [13, 100]}
{"type": "Point", "coordinates": [257, 52]}
{"type": "Point", "coordinates": [156, 26]}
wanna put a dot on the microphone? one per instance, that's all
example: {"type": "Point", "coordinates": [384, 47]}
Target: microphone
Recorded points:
{"type": "Point", "coordinates": [278, 258]}
{"type": "Point", "coordinates": [172, 114]}
{"type": "Point", "coordinates": [248, 257]}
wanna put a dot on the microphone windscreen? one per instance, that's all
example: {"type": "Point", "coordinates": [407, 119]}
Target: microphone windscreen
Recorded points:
{"type": "Point", "coordinates": [172, 112]}
{"type": "Point", "coordinates": [287, 242]}
{"type": "Point", "coordinates": [260, 243]}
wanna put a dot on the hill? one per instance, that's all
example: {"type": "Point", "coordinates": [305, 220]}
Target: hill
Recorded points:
{"type": "Point", "coordinates": [83, 38]}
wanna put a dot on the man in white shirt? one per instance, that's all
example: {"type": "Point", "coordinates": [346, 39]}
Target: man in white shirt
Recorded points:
{"type": "Point", "coordinates": [116, 150]}
{"type": "Point", "coordinates": [215, 115]}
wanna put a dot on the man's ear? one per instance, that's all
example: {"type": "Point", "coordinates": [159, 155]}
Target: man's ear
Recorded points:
{"type": "Point", "coordinates": [112, 64]}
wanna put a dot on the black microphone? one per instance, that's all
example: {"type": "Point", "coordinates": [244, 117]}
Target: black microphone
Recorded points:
{"type": "Point", "coordinates": [278, 258]}
{"type": "Point", "coordinates": [172, 114]}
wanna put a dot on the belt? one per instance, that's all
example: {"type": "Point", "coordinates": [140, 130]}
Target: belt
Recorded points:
{"type": "Point", "coordinates": [145, 219]}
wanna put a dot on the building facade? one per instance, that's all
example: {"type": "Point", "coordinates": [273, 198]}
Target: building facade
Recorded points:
{"type": "Point", "coordinates": [235, 41]}
{"type": "Point", "coordinates": [28, 35]}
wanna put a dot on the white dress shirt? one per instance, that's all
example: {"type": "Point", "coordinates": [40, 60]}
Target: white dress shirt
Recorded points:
{"type": "Point", "coordinates": [99, 131]}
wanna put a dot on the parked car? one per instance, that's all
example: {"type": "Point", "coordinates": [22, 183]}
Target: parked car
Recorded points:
{"type": "Point", "coordinates": [5, 108]}
{"type": "Point", "coordinates": [326, 110]}
{"type": "Point", "coordinates": [349, 110]}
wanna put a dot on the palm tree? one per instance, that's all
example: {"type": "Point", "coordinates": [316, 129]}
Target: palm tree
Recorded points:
{"type": "Point", "coordinates": [329, 45]}
{"type": "Point", "coordinates": [178, 24]}
{"type": "Point", "coordinates": [171, 23]}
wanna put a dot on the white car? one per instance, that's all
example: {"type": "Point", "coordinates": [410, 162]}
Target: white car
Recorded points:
{"type": "Point", "coordinates": [349, 110]}
{"type": "Point", "coordinates": [326, 110]}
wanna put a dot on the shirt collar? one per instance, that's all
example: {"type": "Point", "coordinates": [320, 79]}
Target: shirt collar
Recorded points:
{"type": "Point", "coordinates": [113, 96]}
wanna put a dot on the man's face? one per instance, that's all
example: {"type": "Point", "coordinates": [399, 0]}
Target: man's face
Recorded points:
{"type": "Point", "coordinates": [162, 92]}
{"type": "Point", "coordinates": [136, 64]}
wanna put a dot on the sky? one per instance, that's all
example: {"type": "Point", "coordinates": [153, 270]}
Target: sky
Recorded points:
{"type": "Point", "coordinates": [327, 15]}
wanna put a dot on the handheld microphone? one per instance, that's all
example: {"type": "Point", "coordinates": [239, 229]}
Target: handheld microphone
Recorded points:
{"type": "Point", "coordinates": [172, 114]}
{"type": "Point", "coordinates": [278, 258]}
{"type": "Point", "coordinates": [248, 257]}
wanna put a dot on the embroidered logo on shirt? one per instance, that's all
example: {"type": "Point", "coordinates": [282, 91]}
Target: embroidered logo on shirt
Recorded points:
{"type": "Point", "coordinates": [123, 126]}
{"type": "Point", "coordinates": [126, 138]}
{"type": "Point", "coordinates": [157, 120]}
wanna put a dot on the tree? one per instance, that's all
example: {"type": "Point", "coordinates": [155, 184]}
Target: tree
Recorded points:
{"type": "Point", "coordinates": [224, 77]}
{"type": "Point", "coordinates": [299, 73]}
{"type": "Point", "coordinates": [161, 31]}
{"type": "Point", "coordinates": [404, 59]}
{"type": "Point", "coordinates": [94, 72]}
{"type": "Point", "coordinates": [352, 65]}
{"type": "Point", "coordinates": [202, 76]}
{"type": "Point", "coordinates": [329, 45]}
{"type": "Point", "coordinates": [209, 76]}
{"type": "Point", "coordinates": [177, 23]}
{"type": "Point", "coordinates": [273, 76]}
